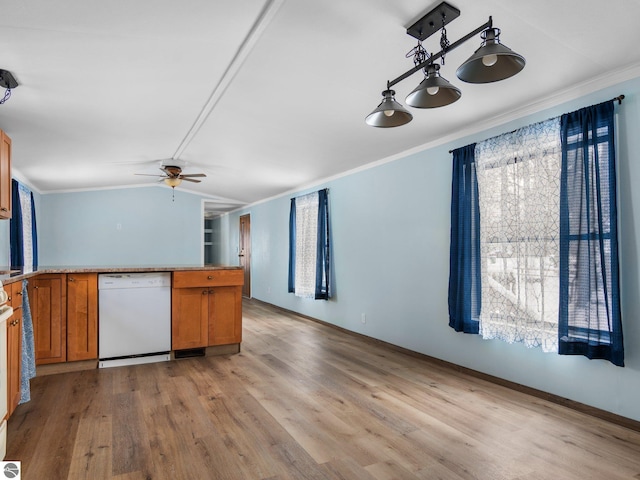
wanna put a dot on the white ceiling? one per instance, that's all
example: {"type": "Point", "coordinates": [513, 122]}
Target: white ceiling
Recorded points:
{"type": "Point", "coordinates": [266, 96]}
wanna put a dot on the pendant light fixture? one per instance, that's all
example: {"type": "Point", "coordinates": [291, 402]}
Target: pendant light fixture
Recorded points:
{"type": "Point", "coordinates": [434, 91]}
{"type": "Point", "coordinates": [7, 81]}
{"type": "Point", "coordinates": [389, 113]}
{"type": "Point", "coordinates": [490, 63]}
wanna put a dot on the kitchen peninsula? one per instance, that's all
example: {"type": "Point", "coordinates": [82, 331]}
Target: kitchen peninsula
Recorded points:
{"type": "Point", "coordinates": [206, 311]}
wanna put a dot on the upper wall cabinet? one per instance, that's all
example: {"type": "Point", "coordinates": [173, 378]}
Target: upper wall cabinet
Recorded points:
{"type": "Point", "coordinates": [5, 175]}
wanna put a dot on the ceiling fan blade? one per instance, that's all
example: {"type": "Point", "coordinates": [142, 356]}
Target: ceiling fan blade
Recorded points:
{"type": "Point", "coordinates": [189, 179]}
{"type": "Point", "coordinates": [193, 175]}
{"type": "Point", "coordinates": [149, 175]}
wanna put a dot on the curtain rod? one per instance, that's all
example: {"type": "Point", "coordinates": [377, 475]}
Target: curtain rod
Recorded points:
{"type": "Point", "coordinates": [619, 99]}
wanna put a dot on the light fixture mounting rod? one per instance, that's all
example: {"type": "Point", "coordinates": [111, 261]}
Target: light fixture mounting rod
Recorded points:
{"type": "Point", "coordinates": [436, 56]}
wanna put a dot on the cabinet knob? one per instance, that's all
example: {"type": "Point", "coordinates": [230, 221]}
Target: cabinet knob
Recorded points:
{"type": "Point", "coordinates": [71, 279]}
{"type": "Point", "coordinates": [18, 293]}
{"type": "Point", "coordinates": [210, 277]}
{"type": "Point", "coordinates": [211, 292]}
{"type": "Point", "coordinates": [204, 292]}
{"type": "Point", "coordinates": [4, 209]}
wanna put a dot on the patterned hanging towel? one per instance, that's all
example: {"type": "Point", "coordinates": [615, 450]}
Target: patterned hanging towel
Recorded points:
{"type": "Point", "coordinates": [28, 347]}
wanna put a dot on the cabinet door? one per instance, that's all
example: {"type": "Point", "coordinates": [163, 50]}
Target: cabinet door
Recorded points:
{"type": "Point", "coordinates": [14, 356]}
{"type": "Point", "coordinates": [14, 346]}
{"type": "Point", "coordinates": [48, 300]}
{"type": "Point", "coordinates": [5, 175]}
{"type": "Point", "coordinates": [82, 316]}
{"type": "Point", "coordinates": [189, 317]}
{"type": "Point", "coordinates": [225, 315]}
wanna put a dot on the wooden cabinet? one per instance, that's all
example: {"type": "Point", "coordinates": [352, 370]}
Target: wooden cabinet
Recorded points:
{"type": "Point", "coordinates": [189, 318]}
{"type": "Point", "coordinates": [48, 301]}
{"type": "Point", "coordinates": [65, 317]}
{"type": "Point", "coordinates": [206, 308]}
{"type": "Point", "coordinates": [82, 316]}
{"type": "Point", "coordinates": [5, 175]}
{"type": "Point", "coordinates": [14, 346]}
{"type": "Point", "coordinates": [225, 315]}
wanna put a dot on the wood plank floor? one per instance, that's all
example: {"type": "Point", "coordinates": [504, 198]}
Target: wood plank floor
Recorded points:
{"type": "Point", "coordinates": [305, 401]}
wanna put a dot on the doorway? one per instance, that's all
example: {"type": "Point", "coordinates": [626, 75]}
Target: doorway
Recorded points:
{"type": "Point", "coordinates": [244, 253]}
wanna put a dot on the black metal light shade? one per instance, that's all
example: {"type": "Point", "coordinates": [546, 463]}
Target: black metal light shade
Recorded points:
{"type": "Point", "coordinates": [434, 91]}
{"type": "Point", "coordinates": [491, 62]}
{"type": "Point", "coordinates": [389, 113]}
{"type": "Point", "coordinates": [7, 80]}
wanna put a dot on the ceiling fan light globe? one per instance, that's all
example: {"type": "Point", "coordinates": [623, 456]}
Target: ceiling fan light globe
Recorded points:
{"type": "Point", "coordinates": [173, 182]}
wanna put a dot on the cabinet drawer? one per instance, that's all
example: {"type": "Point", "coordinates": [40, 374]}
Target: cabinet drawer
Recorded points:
{"type": "Point", "coordinates": [208, 278]}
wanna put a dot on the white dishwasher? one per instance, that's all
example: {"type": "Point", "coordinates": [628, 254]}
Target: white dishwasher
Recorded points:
{"type": "Point", "coordinates": [134, 318]}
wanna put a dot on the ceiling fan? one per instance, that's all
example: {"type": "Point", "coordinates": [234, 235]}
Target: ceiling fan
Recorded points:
{"type": "Point", "coordinates": [173, 175]}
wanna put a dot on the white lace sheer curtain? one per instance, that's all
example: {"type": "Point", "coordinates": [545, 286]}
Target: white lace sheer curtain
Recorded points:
{"type": "Point", "coordinates": [519, 195]}
{"type": "Point", "coordinates": [27, 239]}
{"type": "Point", "coordinates": [306, 251]}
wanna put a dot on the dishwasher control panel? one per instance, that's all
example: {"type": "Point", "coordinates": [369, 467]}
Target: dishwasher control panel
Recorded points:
{"type": "Point", "coordinates": [134, 280]}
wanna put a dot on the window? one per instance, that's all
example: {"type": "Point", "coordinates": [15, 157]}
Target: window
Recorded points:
{"type": "Point", "coordinates": [519, 197]}
{"type": "Point", "coordinates": [534, 237]}
{"type": "Point", "coordinates": [309, 246]}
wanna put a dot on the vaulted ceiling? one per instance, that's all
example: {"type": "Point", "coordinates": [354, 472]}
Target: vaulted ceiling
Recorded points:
{"type": "Point", "coordinates": [265, 96]}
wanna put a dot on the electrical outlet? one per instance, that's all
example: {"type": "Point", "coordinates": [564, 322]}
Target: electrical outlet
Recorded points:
{"type": "Point", "coordinates": [363, 318]}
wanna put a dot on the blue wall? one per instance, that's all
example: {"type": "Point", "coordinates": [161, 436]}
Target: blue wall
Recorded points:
{"type": "Point", "coordinates": [131, 227]}
{"type": "Point", "coordinates": [391, 250]}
